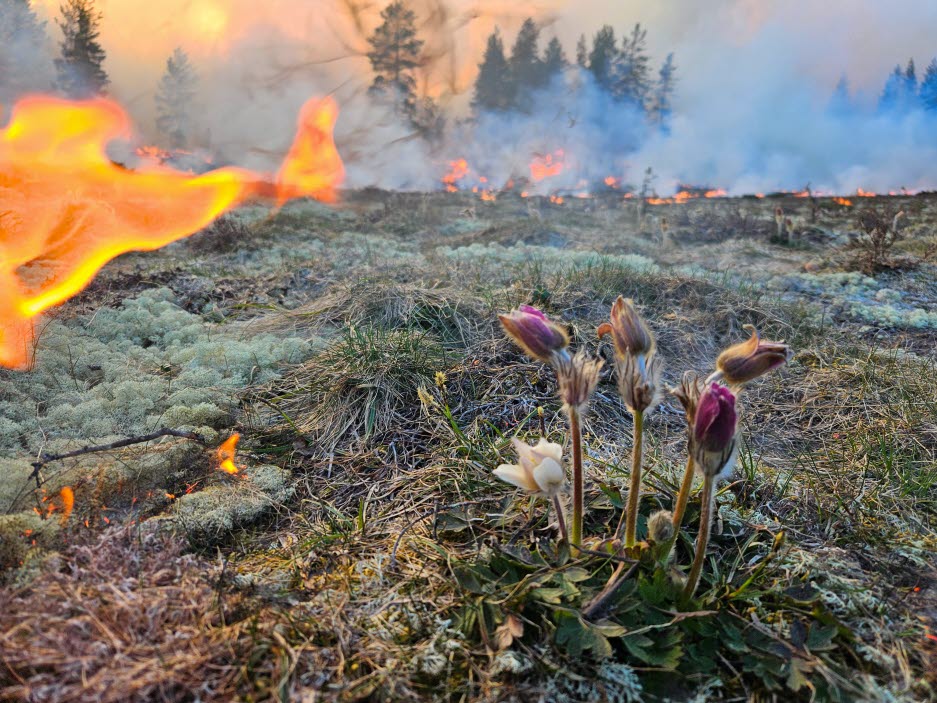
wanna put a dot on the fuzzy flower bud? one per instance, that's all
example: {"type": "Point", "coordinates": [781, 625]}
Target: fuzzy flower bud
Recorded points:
{"type": "Point", "coordinates": [660, 528]}
{"type": "Point", "coordinates": [629, 332]}
{"type": "Point", "coordinates": [713, 437]}
{"type": "Point", "coordinates": [539, 468]}
{"type": "Point", "coordinates": [748, 360]}
{"type": "Point", "coordinates": [688, 393]}
{"type": "Point", "coordinates": [578, 376]}
{"type": "Point", "coordinates": [535, 333]}
{"type": "Point", "coordinates": [638, 381]}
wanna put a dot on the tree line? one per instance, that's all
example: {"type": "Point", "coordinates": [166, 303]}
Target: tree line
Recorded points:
{"type": "Point", "coordinates": [510, 82]}
{"type": "Point", "coordinates": [622, 70]}
{"type": "Point", "coordinates": [903, 92]}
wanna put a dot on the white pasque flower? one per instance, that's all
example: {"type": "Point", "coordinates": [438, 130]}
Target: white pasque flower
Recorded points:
{"type": "Point", "coordinates": [539, 468]}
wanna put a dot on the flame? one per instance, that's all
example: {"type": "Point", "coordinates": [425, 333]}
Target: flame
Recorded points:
{"type": "Point", "coordinates": [68, 503]}
{"type": "Point", "coordinates": [67, 207]}
{"type": "Point", "coordinates": [547, 166]}
{"type": "Point", "coordinates": [864, 193]}
{"type": "Point", "coordinates": [458, 170]}
{"type": "Point", "coordinates": [611, 181]}
{"type": "Point", "coordinates": [842, 201]}
{"type": "Point", "coordinates": [557, 199]}
{"type": "Point", "coordinates": [226, 453]}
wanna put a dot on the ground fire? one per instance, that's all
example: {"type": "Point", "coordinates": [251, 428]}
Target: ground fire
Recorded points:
{"type": "Point", "coordinates": [69, 209]}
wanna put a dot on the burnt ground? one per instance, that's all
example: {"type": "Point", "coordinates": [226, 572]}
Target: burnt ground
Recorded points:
{"type": "Point", "coordinates": [365, 551]}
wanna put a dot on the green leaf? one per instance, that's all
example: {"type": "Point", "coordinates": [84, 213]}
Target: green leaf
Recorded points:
{"type": "Point", "coordinates": [474, 579]}
{"type": "Point", "coordinates": [820, 637]}
{"type": "Point", "coordinates": [613, 493]}
{"type": "Point", "coordinates": [578, 636]}
{"type": "Point", "coordinates": [577, 574]}
{"type": "Point", "coordinates": [797, 677]}
{"type": "Point", "coordinates": [553, 596]}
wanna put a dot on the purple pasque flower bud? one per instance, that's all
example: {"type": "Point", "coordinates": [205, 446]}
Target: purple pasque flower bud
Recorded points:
{"type": "Point", "coordinates": [535, 333]}
{"type": "Point", "coordinates": [713, 436]}
{"type": "Point", "coordinates": [748, 360]}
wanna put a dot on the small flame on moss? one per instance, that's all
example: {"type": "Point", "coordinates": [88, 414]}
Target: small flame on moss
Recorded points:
{"type": "Point", "coordinates": [68, 503]}
{"type": "Point", "coordinates": [226, 453]}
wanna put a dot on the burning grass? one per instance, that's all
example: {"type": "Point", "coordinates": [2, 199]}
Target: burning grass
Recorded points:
{"type": "Point", "coordinates": [354, 577]}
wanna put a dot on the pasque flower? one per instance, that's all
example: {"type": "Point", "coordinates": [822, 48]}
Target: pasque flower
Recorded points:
{"type": "Point", "coordinates": [688, 393]}
{"type": "Point", "coordinates": [713, 437]}
{"type": "Point", "coordinates": [712, 445]}
{"type": "Point", "coordinates": [630, 334]}
{"type": "Point", "coordinates": [535, 333]}
{"type": "Point", "coordinates": [748, 360]}
{"type": "Point", "coordinates": [539, 468]}
{"type": "Point", "coordinates": [577, 376]}
{"type": "Point", "coordinates": [638, 371]}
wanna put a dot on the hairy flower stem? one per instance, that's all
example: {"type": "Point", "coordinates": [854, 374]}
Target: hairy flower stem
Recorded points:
{"type": "Point", "coordinates": [575, 535]}
{"type": "Point", "coordinates": [702, 540]}
{"type": "Point", "coordinates": [683, 496]}
{"type": "Point", "coordinates": [679, 507]}
{"type": "Point", "coordinates": [634, 492]}
{"type": "Point", "coordinates": [560, 519]}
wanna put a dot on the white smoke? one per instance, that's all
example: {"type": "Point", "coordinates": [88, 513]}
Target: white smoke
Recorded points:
{"type": "Point", "coordinates": [750, 111]}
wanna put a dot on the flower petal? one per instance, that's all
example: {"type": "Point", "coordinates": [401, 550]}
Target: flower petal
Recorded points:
{"type": "Point", "coordinates": [549, 476]}
{"type": "Point", "coordinates": [525, 454]}
{"type": "Point", "coordinates": [547, 450]}
{"type": "Point", "coordinates": [517, 476]}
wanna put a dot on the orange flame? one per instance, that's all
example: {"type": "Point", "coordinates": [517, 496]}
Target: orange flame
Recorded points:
{"type": "Point", "coordinates": [547, 166]}
{"type": "Point", "coordinates": [842, 201]}
{"type": "Point", "coordinates": [226, 453]}
{"type": "Point", "coordinates": [864, 193]}
{"type": "Point", "coordinates": [68, 503]}
{"type": "Point", "coordinates": [458, 170]}
{"type": "Point", "coordinates": [68, 207]}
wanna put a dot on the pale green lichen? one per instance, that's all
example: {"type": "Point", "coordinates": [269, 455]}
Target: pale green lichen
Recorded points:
{"type": "Point", "coordinates": [129, 371]}
{"type": "Point", "coordinates": [213, 513]}
{"type": "Point", "coordinates": [551, 257]}
{"type": "Point", "coordinates": [132, 370]}
{"type": "Point", "coordinates": [611, 682]}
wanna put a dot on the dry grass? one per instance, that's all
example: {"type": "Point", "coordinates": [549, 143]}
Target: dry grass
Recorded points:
{"type": "Point", "coordinates": [130, 617]}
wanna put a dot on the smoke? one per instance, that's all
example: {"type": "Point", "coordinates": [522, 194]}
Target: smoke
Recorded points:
{"type": "Point", "coordinates": [751, 109]}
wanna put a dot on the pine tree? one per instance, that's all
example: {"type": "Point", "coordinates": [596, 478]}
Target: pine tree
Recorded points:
{"type": "Point", "coordinates": [928, 94]}
{"type": "Point", "coordinates": [910, 82]}
{"type": "Point", "coordinates": [395, 52]}
{"type": "Point", "coordinates": [582, 52]}
{"type": "Point", "coordinates": [80, 69]}
{"type": "Point", "coordinates": [174, 99]}
{"type": "Point", "coordinates": [527, 71]}
{"type": "Point", "coordinates": [602, 57]}
{"type": "Point", "coordinates": [492, 86]}
{"type": "Point", "coordinates": [554, 59]}
{"type": "Point", "coordinates": [23, 59]}
{"type": "Point", "coordinates": [630, 76]}
{"type": "Point", "coordinates": [662, 102]}
{"type": "Point", "coordinates": [841, 101]}
{"type": "Point", "coordinates": [892, 93]}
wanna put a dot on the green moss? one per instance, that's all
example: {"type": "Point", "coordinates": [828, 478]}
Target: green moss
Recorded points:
{"type": "Point", "coordinates": [21, 533]}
